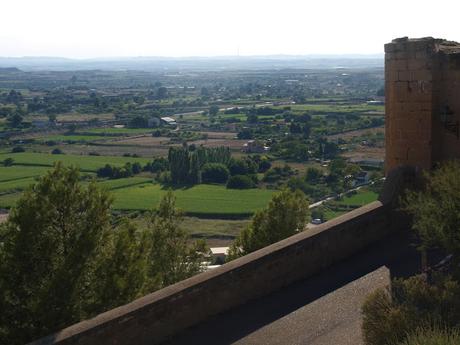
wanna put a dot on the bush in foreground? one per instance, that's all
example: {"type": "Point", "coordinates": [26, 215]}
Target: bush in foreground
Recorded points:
{"type": "Point", "coordinates": [388, 317]}
{"type": "Point", "coordinates": [433, 336]}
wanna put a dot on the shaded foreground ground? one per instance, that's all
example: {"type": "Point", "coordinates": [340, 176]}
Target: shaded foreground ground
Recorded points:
{"type": "Point", "coordinates": [322, 310]}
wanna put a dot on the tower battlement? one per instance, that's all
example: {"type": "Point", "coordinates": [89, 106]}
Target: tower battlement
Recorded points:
{"type": "Point", "coordinates": [422, 90]}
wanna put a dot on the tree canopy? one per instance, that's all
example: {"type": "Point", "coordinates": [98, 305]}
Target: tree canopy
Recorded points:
{"type": "Point", "coordinates": [62, 259]}
{"type": "Point", "coordinates": [286, 214]}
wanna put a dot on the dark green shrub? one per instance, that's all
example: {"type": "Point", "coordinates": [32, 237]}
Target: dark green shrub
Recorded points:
{"type": "Point", "coordinates": [57, 152]}
{"type": "Point", "coordinates": [433, 336]}
{"type": "Point", "coordinates": [17, 149]}
{"type": "Point", "coordinates": [7, 162]}
{"type": "Point", "coordinates": [388, 318]}
{"type": "Point", "coordinates": [240, 182]}
{"type": "Point", "coordinates": [214, 173]}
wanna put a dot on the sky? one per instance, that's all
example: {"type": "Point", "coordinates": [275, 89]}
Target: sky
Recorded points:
{"type": "Point", "coordinates": [122, 28]}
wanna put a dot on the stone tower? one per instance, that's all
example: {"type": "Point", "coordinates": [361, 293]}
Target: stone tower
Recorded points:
{"type": "Point", "coordinates": [422, 91]}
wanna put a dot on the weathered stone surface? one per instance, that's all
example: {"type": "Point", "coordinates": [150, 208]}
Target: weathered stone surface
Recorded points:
{"type": "Point", "coordinates": [421, 79]}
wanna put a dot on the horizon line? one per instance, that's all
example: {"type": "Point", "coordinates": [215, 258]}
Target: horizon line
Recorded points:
{"type": "Point", "coordinates": [127, 57]}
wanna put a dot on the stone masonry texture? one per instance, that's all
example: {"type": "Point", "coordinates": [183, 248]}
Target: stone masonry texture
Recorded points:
{"type": "Point", "coordinates": [422, 89]}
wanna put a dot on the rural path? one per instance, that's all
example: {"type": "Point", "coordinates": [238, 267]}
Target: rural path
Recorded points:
{"type": "Point", "coordinates": [322, 310]}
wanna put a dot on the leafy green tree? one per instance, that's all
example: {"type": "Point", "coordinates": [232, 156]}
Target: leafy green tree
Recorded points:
{"type": "Point", "coordinates": [57, 151]}
{"type": "Point", "coordinates": [213, 110]}
{"type": "Point", "coordinates": [170, 256]}
{"type": "Point", "coordinates": [61, 260]}
{"type": "Point", "coordinates": [215, 173]}
{"type": "Point", "coordinates": [52, 118]}
{"type": "Point", "coordinates": [15, 120]}
{"type": "Point", "coordinates": [179, 164]}
{"type": "Point", "coordinates": [240, 182]}
{"type": "Point", "coordinates": [436, 209]}
{"type": "Point", "coordinates": [242, 166]}
{"type": "Point", "coordinates": [264, 165]}
{"type": "Point", "coordinates": [286, 214]}
{"type": "Point", "coordinates": [162, 92]}
{"type": "Point", "coordinates": [306, 130]}
{"type": "Point", "coordinates": [318, 213]}
{"type": "Point", "coordinates": [121, 269]}
{"type": "Point", "coordinates": [313, 175]}
{"type": "Point", "coordinates": [49, 245]}
{"type": "Point", "coordinates": [7, 162]}
{"type": "Point", "coordinates": [139, 122]}
{"type": "Point", "coordinates": [252, 118]}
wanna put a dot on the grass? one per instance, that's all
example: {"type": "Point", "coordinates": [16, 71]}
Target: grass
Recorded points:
{"type": "Point", "coordinates": [139, 193]}
{"type": "Point", "coordinates": [73, 137]}
{"type": "Point", "coordinates": [85, 163]}
{"type": "Point", "coordinates": [124, 182]}
{"type": "Point", "coordinates": [334, 108]}
{"type": "Point", "coordinates": [8, 200]}
{"type": "Point", "coordinates": [363, 197]}
{"type": "Point", "coordinates": [14, 173]}
{"type": "Point", "coordinates": [348, 203]}
{"type": "Point", "coordinates": [207, 228]}
{"type": "Point", "coordinates": [199, 200]}
{"type": "Point", "coordinates": [17, 184]}
{"type": "Point", "coordinates": [330, 214]}
{"type": "Point", "coordinates": [223, 229]}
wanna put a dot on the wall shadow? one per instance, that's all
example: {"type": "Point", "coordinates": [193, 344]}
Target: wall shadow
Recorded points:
{"type": "Point", "coordinates": [397, 252]}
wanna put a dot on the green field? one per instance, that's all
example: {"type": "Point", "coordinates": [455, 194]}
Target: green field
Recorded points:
{"type": "Point", "coordinates": [14, 173]}
{"type": "Point", "coordinates": [335, 108]}
{"type": "Point", "coordinates": [18, 184]}
{"type": "Point", "coordinates": [85, 163]}
{"type": "Point", "coordinates": [73, 137]}
{"type": "Point", "coordinates": [199, 199]}
{"type": "Point", "coordinates": [8, 200]}
{"type": "Point", "coordinates": [348, 203]}
{"type": "Point", "coordinates": [124, 182]}
{"type": "Point", "coordinates": [141, 194]}
{"type": "Point", "coordinates": [134, 193]}
{"type": "Point", "coordinates": [363, 197]}
{"type": "Point", "coordinates": [330, 214]}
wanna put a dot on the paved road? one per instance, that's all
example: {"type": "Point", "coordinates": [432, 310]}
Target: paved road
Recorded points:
{"type": "Point", "coordinates": [322, 310]}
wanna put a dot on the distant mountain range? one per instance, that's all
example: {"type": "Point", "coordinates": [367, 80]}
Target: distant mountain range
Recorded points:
{"type": "Point", "coordinates": [195, 63]}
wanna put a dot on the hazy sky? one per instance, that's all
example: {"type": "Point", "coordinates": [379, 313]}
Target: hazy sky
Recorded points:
{"type": "Point", "coordinates": [101, 28]}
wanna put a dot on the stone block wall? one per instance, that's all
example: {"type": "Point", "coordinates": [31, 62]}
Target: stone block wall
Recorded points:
{"type": "Point", "coordinates": [422, 78]}
{"type": "Point", "coordinates": [155, 317]}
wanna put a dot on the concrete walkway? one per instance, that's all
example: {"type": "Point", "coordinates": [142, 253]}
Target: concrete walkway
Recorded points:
{"type": "Point", "coordinates": [322, 310]}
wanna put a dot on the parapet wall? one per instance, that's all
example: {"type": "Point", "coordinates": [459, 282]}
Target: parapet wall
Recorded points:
{"type": "Point", "coordinates": [155, 317]}
{"type": "Point", "coordinates": [422, 90]}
